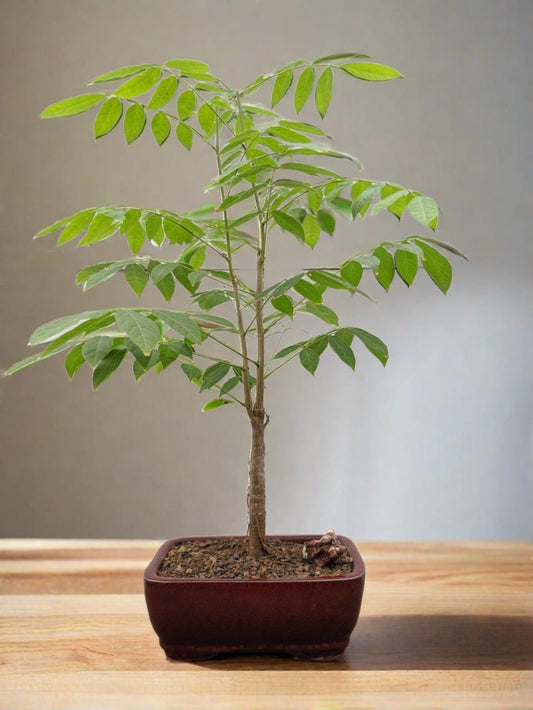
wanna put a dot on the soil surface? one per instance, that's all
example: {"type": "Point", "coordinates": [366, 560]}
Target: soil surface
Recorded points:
{"type": "Point", "coordinates": [229, 559]}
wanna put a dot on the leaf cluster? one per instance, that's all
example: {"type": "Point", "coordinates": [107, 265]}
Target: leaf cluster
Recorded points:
{"type": "Point", "coordinates": [273, 175]}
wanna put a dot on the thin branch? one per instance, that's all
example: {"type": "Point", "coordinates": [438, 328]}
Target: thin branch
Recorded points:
{"type": "Point", "coordinates": [237, 352]}
{"type": "Point", "coordinates": [244, 348]}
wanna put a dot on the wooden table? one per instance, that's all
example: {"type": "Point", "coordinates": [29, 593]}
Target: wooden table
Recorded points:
{"type": "Point", "coordinates": [443, 625]}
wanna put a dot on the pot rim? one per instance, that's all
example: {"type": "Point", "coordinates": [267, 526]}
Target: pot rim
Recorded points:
{"type": "Point", "coordinates": [150, 573]}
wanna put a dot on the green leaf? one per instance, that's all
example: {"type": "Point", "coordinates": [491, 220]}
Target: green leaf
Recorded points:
{"type": "Point", "coordinates": [182, 272]}
{"type": "Point", "coordinates": [21, 364]}
{"type": "Point", "coordinates": [389, 200]}
{"type": "Point", "coordinates": [399, 203]}
{"type": "Point", "coordinates": [143, 331]}
{"type": "Point", "coordinates": [376, 346]}
{"type": "Point", "coordinates": [160, 127]}
{"type": "Point", "coordinates": [88, 271]}
{"type": "Point", "coordinates": [137, 277]}
{"type": "Point", "coordinates": [308, 290]}
{"type": "Point", "coordinates": [287, 351]}
{"type": "Point", "coordinates": [159, 271]}
{"type": "Point", "coordinates": [323, 312]}
{"type": "Point", "coordinates": [363, 197]}
{"type": "Point", "coordinates": [318, 344]}
{"type": "Point", "coordinates": [321, 150]}
{"type": "Point", "coordinates": [369, 71]}
{"type": "Point", "coordinates": [240, 197]}
{"type": "Point", "coordinates": [448, 247]}
{"type": "Point", "coordinates": [164, 92]}
{"type": "Point", "coordinates": [101, 227]}
{"type": "Point", "coordinates": [284, 304]}
{"type": "Point", "coordinates": [139, 84]}
{"type": "Point", "coordinates": [188, 66]}
{"type": "Point", "coordinates": [134, 122]}
{"type": "Point", "coordinates": [210, 299]}
{"type": "Point", "coordinates": [135, 237]}
{"type": "Point", "coordinates": [174, 232]}
{"type": "Point", "coordinates": [314, 200]}
{"type": "Point", "coordinates": [406, 265]}
{"type": "Point", "coordinates": [201, 212]}
{"type": "Point", "coordinates": [303, 88]}
{"type": "Point", "coordinates": [107, 117]}
{"type": "Point", "coordinates": [206, 118]}
{"type": "Point", "coordinates": [71, 337]}
{"type": "Point", "coordinates": [95, 349]}
{"type": "Point", "coordinates": [288, 135]}
{"type": "Point", "coordinates": [166, 287]}
{"type": "Point", "coordinates": [247, 136]}
{"type": "Point", "coordinates": [324, 91]}
{"type": "Point", "coordinates": [424, 210]}
{"type": "Point", "coordinates": [154, 230]}
{"type": "Point", "coordinates": [214, 404]}
{"type": "Point", "coordinates": [74, 360]}
{"type": "Point", "coordinates": [326, 221]}
{"type": "Point", "coordinates": [281, 86]}
{"type": "Point", "coordinates": [77, 225]}
{"type": "Point", "coordinates": [352, 272]}
{"type": "Point", "coordinates": [49, 331]}
{"type": "Point", "coordinates": [385, 271]}
{"type": "Point", "coordinates": [311, 228]}
{"type": "Point", "coordinates": [280, 287]}
{"type": "Point", "coordinates": [169, 352]}
{"type": "Point", "coordinates": [229, 385]}
{"type": "Point", "coordinates": [343, 207]}
{"type": "Point", "coordinates": [288, 223]}
{"type": "Point", "coordinates": [72, 106]}
{"type": "Point", "coordinates": [54, 227]}
{"type": "Point", "coordinates": [437, 266]}
{"type": "Point", "coordinates": [137, 353]}
{"type": "Point", "coordinates": [131, 218]}
{"type": "Point", "coordinates": [213, 374]}
{"type": "Point", "coordinates": [181, 323]}
{"type": "Point", "coordinates": [303, 127]}
{"type": "Point", "coordinates": [324, 278]}
{"type": "Point", "coordinates": [107, 366]}
{"type": "Point", "coordinates": [184, 135]}
{"type": "Point", "coordinates": [193, 373]}
{"type": "Point", "coordinates": [197, 258]}
{"type": "Point", "coordinates": [186, 104]}
{"type": "Point", "coordinates": [344, 351]}
{"type": "Point", "coordinates": [309, 359]}
{"type": "Point", "coordinates": [102, 275]}
{"type": "Point", "coordinates": [121, 73]}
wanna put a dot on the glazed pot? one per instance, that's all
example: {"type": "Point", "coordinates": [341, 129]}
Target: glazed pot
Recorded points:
{"type": "Point", "coordinates": [310, 618]}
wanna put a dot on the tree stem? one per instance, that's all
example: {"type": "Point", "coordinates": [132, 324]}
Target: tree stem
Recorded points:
{"type": "Point", "coordinates": [256, 489]}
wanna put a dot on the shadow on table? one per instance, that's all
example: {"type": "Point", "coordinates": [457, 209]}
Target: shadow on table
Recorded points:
{"type": "Point", "coordinates": [418, 642]}
{"type": "Point", "coordinates": [439, 642]}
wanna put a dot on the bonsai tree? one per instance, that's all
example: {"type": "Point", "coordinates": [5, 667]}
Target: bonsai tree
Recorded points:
{"type": "Point", "coordinates": [272, 174]}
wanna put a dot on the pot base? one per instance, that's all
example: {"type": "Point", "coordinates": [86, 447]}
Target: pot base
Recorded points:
{"type": "Point", "coordinates": [300, 652]}
{"type": "Point", "coordinates": [308, 618]}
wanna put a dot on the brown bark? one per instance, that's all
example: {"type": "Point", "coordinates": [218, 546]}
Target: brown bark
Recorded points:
{"type": "Point", "coordinates": [256, 487]}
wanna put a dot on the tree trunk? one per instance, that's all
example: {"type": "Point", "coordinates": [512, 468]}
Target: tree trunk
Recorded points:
{"type": "Point", "coordinates": [256, 488]}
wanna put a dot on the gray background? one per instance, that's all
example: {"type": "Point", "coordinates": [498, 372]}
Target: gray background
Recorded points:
{"type": "Point", "coordinates": [437, 444]}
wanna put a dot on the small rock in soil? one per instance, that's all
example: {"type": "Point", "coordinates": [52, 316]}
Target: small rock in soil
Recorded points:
{"type": "Point", "coordinates": [227, 558]}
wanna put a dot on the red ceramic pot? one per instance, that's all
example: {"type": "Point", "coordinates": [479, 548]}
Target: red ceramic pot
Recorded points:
{"type": "Point", "coordinates": [202, 618]}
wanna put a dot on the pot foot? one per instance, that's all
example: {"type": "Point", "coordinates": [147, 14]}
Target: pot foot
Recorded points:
{"type": "Point", "coordinates": [321, 653]}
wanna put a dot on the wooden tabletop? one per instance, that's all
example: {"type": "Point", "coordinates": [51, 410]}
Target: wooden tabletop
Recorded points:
{"type": "Point", "coordinates": [443, 625]}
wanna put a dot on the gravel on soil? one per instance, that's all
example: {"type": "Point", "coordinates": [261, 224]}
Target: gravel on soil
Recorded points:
{"type": "Point", "coordinates": [225, 558]}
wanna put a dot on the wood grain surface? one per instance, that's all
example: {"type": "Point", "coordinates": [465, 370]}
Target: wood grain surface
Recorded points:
{"type": "Point", "coordinates": [443, 625]}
